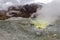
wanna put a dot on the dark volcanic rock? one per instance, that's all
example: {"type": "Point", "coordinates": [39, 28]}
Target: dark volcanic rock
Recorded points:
{"type": "Point", "coordinates": [24, 11]}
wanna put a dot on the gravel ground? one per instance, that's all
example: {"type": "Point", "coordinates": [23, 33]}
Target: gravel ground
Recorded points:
{"type": "Point", "coordinates": [12, 30]}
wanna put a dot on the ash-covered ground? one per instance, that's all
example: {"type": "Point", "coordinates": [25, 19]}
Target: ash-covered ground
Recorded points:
{"type": "Point", "coordinates": [12, 30]}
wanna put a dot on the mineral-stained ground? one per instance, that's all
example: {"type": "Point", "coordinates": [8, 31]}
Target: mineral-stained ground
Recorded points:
{"type": "Point", "coordinates": [12, 30]}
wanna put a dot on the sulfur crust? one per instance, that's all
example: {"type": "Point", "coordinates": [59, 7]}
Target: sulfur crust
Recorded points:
{"type": "Point", "coordinates": [39, 24]}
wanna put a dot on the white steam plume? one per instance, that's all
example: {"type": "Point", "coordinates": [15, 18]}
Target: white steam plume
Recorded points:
{"type": "Point", "coordinates": [50, 12]}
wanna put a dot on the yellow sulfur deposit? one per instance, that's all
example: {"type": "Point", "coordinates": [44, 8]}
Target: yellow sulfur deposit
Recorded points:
{"type": "Point", "coordinates": [39, 24]}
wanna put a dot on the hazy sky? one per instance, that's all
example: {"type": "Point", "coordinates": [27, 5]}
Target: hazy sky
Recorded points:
{"type": "Point", "coordinates": [25, 1]}
{"type": "Point", "coordinates": [33, 1]}
{"type": "Point", "coordinates": [43, 1]}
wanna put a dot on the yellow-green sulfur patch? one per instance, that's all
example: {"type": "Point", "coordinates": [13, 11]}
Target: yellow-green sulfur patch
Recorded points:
{"type": "Point", "coordinates": [39, 24]}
